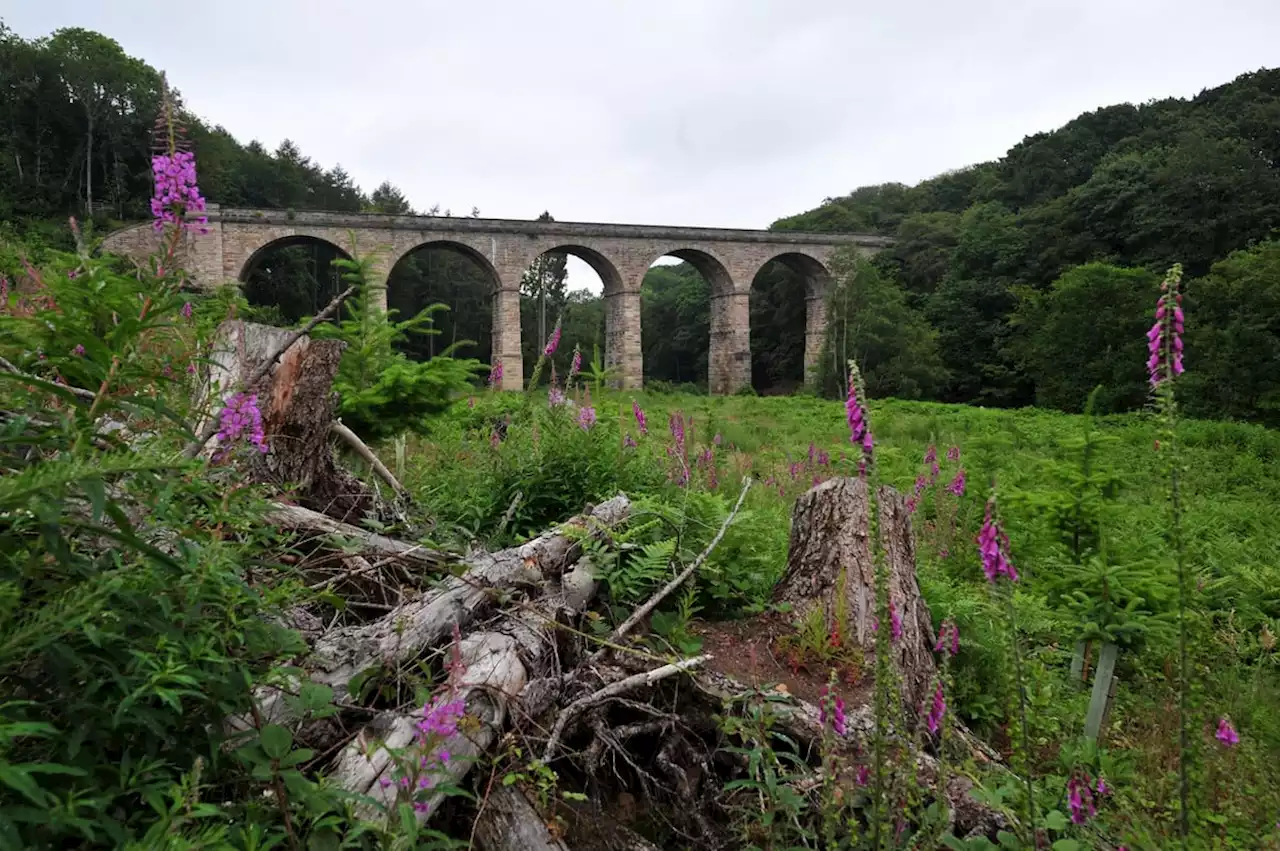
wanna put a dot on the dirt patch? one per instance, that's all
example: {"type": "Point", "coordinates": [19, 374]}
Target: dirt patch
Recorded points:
{"type": "Point", "coordinates": [755, 651]}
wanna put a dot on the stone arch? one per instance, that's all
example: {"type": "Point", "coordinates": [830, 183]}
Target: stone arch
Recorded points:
{"type": "Point", "coordinates": [278, 287]}
{"type": "Point", "coordinates": [816, 278]}
{"type": "Point", "coordinates": [713, 269]}
{"type": "Point", "coordinates": [729, 350]}
{"type": "Point", "coordinates": [454, 273]}
{"type": "Point", "coordinates": [617, 351]}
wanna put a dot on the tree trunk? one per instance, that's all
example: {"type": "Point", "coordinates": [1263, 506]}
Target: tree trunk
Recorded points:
{"type": "Point", "coordinates": [829, 545]}
{"type": "Point", "coordinates": [88, 166]}
{"type": "Point", "coordinates": [297, 404]}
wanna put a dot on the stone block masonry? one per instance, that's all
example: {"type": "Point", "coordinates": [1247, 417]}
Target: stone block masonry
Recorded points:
{"type": "Point", "coordinates": [505, 248]}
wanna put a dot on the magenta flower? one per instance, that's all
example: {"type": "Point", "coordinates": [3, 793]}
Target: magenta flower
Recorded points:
{"type": "Point", "coordinates": [1164, 339]}
{"type": "Point", "coordinates": [586, 417]}
{"type": "Point", "coordinates": [186, 310]}
{"type": "Point", "coordinates": [859, 429]}
{"type": "Point", "coordinates": [953, 454]}
{"type": "Point", "coordinates": [554, 342]}
{"type": "Point", "coordinates": [78, 351]}
{"type": "Point", "coordinates": [837, 716]}
{"type": "Point", "coordinates": [993, 545]}
{"type": "Point", "coordinates": [1080, 799]}
{"type": "Point", "coordinates": [641, 422]}
{"type": "Point", "coordinates": [1226, 733]}
{"type": "Point", "coordinates": [628, 442]}
{"type": "Point", "coordinates": [956, 485]}
{"type": "Point", "coordinates": [938, 710]}
{"type": "Point", "coordinates": [555, 396]}
{"type": "Point", "coordinates": [495, 373]}
{"type": "Point", "coordinates": [575, 366]}
{"type": "Point", "coordinates": [895, 622]}
{"type": "Point", "coordinates": [440, 718]}
{"type": "Point", "coordinates": [238, 415]}
{"type": "Point", "coordinates": [864, 775]}
{"type": "Point", "coordinates": [176, 193]}
{"type": "Point", "coordinates": [931, 454]}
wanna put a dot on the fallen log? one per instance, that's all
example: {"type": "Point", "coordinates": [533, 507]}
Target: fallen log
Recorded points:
{"type": "Point", "coordinates": [415, 626]}
{"type": "Point", "coordinates": [299, 519]}
{"type": "Point", "coordinates": [508, 822]}
{"type": "Point", "coordinates": [496, 666]}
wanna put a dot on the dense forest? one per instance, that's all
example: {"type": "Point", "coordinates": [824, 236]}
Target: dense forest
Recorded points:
{"type": "Point", "coordinates": [1031, 269]}
{"type": "Point", "coordinates": [993, 266]}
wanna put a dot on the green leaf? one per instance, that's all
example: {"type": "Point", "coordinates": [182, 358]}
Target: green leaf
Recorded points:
{"type": "Point", "coordinates": [1055, 820]}
{"type": "Point", "coordinates": [315, 696]}
{"type": "Point", "coordinates": [276, 740]}
{"type": "Point", "coordinates": [1066, 845]}
{"type": "Point", "coordinates": [97, 493]}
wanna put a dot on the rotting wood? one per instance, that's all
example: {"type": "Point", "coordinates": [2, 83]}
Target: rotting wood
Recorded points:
{"type": "Point", "coordinates": [508, 822]}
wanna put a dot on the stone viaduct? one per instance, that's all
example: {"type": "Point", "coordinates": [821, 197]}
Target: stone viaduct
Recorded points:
{"type": "Point", "coordinates": [621, 254]}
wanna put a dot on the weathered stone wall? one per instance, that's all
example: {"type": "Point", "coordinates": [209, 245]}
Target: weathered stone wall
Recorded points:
{"type": "Point", "coordinates": [620, 254]}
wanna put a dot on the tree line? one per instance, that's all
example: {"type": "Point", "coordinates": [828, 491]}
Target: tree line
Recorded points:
{"type": "Point", "coordinates": [1032, 274]}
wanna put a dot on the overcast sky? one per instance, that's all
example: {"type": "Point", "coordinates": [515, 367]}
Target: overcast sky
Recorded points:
{"type": "Point", "coordinates": [726, 113]}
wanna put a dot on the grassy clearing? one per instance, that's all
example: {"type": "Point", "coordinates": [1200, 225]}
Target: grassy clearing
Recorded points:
{"type": "Point", "coordinates": [469, 480]}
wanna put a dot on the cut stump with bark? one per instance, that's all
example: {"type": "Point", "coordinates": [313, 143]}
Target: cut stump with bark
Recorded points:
{"type": "Point", "coordinates": [297, 402]}
{"type": "Point", "coordinates": [830, 540]}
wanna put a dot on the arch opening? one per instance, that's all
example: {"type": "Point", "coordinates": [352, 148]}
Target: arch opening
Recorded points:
{"type": "Point", "coordinates": [555, 287]}
{"type": "Point", "coordinates": [290, 278]}
{"type": "Point", "coordinates": [685, 345]}
{"type": "Point", "coordinates": [456, 276]}
{"type": "Point", "coordinates": [786, 321]}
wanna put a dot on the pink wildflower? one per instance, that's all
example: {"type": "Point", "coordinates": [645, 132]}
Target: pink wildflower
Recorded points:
{"type": "Point", "coordinates": [586, 417]}
{"type": "Point", "coordinates": [176, 192]}
{"type": "Point", "coordinates": [495, 373]}
{"type": "Point", "coordinates": [1164, 339]}
{"type": "Point", "coordinates": [554, 342]}
{"type": "Point", "coordinates": [238, 415]}
{"type": "Point", "coordinates": [938, 710]}
{"type": "Point", "coordinates": [956, 486]}
{"type": "Point", "coordinates": [993, 545]}
{"type": "Point", "coordinates": [575, 366]}
{"type": "Point", "coordinates": [641, 422]}
{"type": "Point", "coordinates": [1226, 733]}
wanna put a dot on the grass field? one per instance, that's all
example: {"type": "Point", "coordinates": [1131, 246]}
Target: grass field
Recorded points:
{"type": "Point", "coordinates": [1231, 502]}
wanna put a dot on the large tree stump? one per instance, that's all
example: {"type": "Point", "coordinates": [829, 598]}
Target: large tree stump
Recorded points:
{"type": "Point", "coordinates": [829, 541]}
{"type": "Point", "coordinates": [297, 402]}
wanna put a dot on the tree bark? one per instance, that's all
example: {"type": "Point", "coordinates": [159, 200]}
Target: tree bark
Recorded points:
{"type": "Point", "coordinates": [297, 404]}
{"type": "Point", "coordinates": [829, 546]}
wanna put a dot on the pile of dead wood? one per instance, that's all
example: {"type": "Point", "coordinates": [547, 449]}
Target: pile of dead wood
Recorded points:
{"type": "Point", "coordinates": [632, 730]}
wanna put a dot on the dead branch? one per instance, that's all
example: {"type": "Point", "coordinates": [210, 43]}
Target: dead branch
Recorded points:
{"type": "Point", "coordinates": [295, 517]}
{"type": "Point", "coordinates": [353, 440]}
{"type": "Point", "coordinates": [645, 610]}
{"type": "Point", "coordinates": [622, 686]}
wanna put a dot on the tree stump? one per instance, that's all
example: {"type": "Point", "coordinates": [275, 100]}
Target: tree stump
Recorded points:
{"type": "Point", "coordinates": [297, 402]}
{"type": "Point", "coordinates": [829, 548]}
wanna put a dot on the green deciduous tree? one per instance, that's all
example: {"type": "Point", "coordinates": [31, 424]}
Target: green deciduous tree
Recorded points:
{"type": "Point", "coordinates": [1233, 337]}
{"type": "Point", "coordinates": [869, 319]}
{"type": "Point", "coordinates": [1087, 330]}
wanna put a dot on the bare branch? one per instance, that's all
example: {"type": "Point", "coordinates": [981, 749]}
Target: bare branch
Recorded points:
{"type": "Point", "coordinates": [353, 440]}
{"type": "Point", "coordinates": [645, 678]}
{"type": "Point", "coordinates": [644, 611]}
